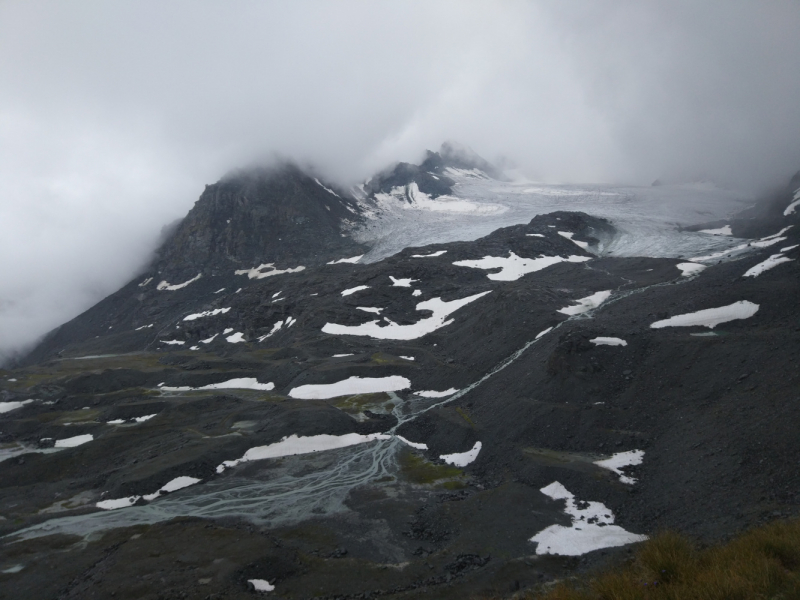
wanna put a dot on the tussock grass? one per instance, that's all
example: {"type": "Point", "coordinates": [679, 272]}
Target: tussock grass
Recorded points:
{"type": "Point", "coordinates": [761, 564]}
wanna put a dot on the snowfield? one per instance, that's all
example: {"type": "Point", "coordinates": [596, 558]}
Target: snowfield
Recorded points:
{"type": "Point", "coordinates": [710, 317]}
{"type": "Point", "coordinates": [393, 331]}
{"type": "Point", "coordinates": [772, 262]}
{"type": "Point", "coordinates": [241, 383]}
{"type": "Point", "coordinates": [462, 459]}
{"type": "Point", "coordinates": [266, 270]}
{"type": "Point", "coordinates": [592, 528]}
{"type": "Point", "coordinates": [350, 386]}
{"type": "Point", "coordinates": [619, 461]}
{"type": "Point", "coordinates": [513, 267]}
{"type": "Point", "coordinates": [167, 287]}
{"type": "Point", "coordinates": [586, 304]}
{"type": "Point", "coordinates": [293, 445]}
{"type": "Point", "coordinates": [608, 341]}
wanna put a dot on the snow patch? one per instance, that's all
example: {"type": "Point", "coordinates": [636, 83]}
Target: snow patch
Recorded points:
{"type": "Point", "coordinates": [350, 386]}
{"type": "Point", "coordinates": [166, 286]}
{"type": "Point", "coordinates": [592, 528]}
{"type": "Point", "coordinates": [542, 333]}
{"type": "Point", "coordinates": [462, 459]}
{"type": "Point", "coordinates": [417, 445]}
{"type": "Point", "coordinates": [541, 235]}
{"type": "Point", "coordinates": [146, 281]}
{"type": "Point", "coordinates": [262, 585]}
{"type": "Point", "coordinates": [240, 383]}
{"type": "Point", "coordinates": [402, 282]}
{"type": "Point", "coordinates": [689, 268]}
{"type": "Point", "coordinates": [327, 189]}
{"type": "Point", "coordinates": [74, 441]}
{"type": "Point", "coordinates": [13, 405]}
{"type": "Point", "coordinates": [608, 341]}
{"type": "Point", "coordinates": [172, 342]}
{"type": "Point", "coordinates": [795, 203]}
{"type": "Point", "coordinates": [370, 309]}
{"type": "Point", "coordinates": [206, 313]}
{"type": "Point", "coordinates": [358, 288]}
{"type": "Point", "coordinates": [118, 503]}
{"type": "Point", "coordinates": [209, 340]}
{"type": "Point", "coordinates": [236, 338]}
{"type": "Point", "coordinates": [710, 317]}
{"type": "Point", "coordinates": [621, 460]}
{"type": "Point", "coordinates": [144, 327]}
{"type": "Point", "coordinates": [259, 272]}
{"type": "Point", "coordinates": [351, 260]}
{"type": "Point", "coordinates": [721, 231]}
{"type": "Point", "coordinates": [294, 445]}
{"type": "Point", "coordinates": [431, 255]}
{"type": "Point", "coordinates": [772, 262]}
{"type": "Point", "coordinates": [342, 355]}
{"type": "Point", "coordinates": [586, 304]}
{"type": "Point", "coordinates": [435, 394]}
{"type": "Point", "coordinates": [416, 293]}
{"type": "Point", "coordinates": [513, 267]}
{"type": "Point", "coordinates": [393, 331]}
{"type": "Point", "coordinates": [407, 357]}
{"type": "Point", "coordinates": [569, 234]}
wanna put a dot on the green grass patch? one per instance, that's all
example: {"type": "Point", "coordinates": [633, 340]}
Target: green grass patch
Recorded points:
{"type": "Point", "coordinates": [361, 402]}
{"type": "Point", "coordinates": [418, 470]}
{"type": "Point", "coordinates": [465, 415]}
{"type": "Point", "coordinates": [381, 358]}
{"type": "Point", "coordinates": [763, 563]}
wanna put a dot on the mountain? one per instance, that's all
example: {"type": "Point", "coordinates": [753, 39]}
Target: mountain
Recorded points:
{"type": "Point", "coordinates": [434, 176]}
{"type": "Point", "coordinates": [461, 418]}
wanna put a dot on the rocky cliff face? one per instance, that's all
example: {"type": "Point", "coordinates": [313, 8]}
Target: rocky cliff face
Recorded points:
{"type": "Point", "coordinates": [431, 176]}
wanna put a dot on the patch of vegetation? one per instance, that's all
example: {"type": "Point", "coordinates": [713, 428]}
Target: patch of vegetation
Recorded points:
{"type": "Point", "coordinates": [465, 415]}
{"type": "Point", "coordinates": [381, 358]}
{"type": "Point", "coordinates": [763, 563]}
{"type": "Point", "coordinates": [361, 402]}
{"type": "Point", "coordinates": [418, 470]}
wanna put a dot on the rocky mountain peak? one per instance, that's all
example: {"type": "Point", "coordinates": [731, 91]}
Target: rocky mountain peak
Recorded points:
{"type": "Point", "coordinates": [262, 215]}
{"type": "Point", "coordinates": [434, 175]}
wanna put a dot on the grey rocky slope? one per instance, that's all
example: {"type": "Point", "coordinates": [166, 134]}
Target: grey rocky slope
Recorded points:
{"type": "Point", "coordinates": [715, 416]}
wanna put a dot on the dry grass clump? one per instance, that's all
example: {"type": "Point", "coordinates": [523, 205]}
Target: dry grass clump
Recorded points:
{"type": "Point", "coordinates": [763, 563]}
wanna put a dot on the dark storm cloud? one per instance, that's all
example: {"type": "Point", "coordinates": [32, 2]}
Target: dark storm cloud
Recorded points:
{"type": "Point", "coordinates": [114, 115]}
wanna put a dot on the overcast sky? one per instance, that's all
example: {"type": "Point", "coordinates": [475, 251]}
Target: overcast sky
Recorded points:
{"type": "Point", "coordinates": [113, 115]}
